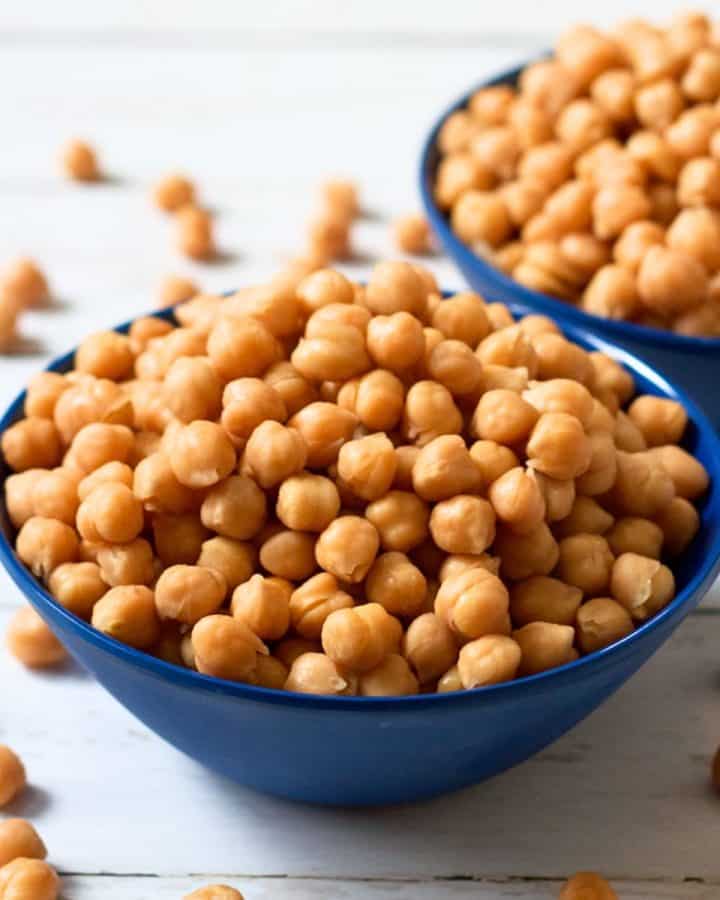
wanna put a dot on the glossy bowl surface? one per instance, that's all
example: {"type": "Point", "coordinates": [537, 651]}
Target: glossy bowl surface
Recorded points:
{"type": "Point", "coordinates": [367, 751]}
{"type": "Point", "coordinates": [691, 363]}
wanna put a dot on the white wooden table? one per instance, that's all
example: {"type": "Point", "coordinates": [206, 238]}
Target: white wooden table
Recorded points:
{"type": "Point", "coordinates": [260, 101]}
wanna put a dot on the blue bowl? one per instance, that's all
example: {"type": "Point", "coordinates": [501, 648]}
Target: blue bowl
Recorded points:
{"type": "Point", "coordinates": [363, 751]}
{"type": "Point", "coordinates": [692, 363]}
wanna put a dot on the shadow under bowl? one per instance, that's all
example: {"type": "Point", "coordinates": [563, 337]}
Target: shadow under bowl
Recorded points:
{"type": "Point", "coordinates": [693, 363]}
{"type": "Point", "coordinates": [361, 751]}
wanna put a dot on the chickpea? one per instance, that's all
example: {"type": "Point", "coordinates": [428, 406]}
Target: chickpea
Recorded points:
{"type": "Point", "coordinates": [173, 192]}
{"type": "Point", "coordinates": [315, 673]}
{"type": "Point", "coordinates": [234, 560]}
{"type": "Point", "coordinates": [430, 412]}
{"type": "Point", "coordinates": [174, 289]}
{"type": "Point", "coordinates": [586, 562]}
{"type": "Point", "coordinates": [263, 604]}
{"type": "Point", "coordinates": [453, 364]}
{"type": "Point", "coordinates": [395, 287]}
{"type": "Point", "coordinates": [219, 891]}
{"type": "Point", "coordinates": [105, 354]}
{"type": "Point", "coordinates": [307, 502]}
{"type": "Point", "coordinates": [490, 659]}
{"type": "Point", "coordinates": [19, 491]}
{"type": "Point", "coordinates": [328, 238]}
{"type": "Point", "coordinates": [377, 399]}
{"type": "Point", "coordinates": [503, 416]}
{"type": "Point", "coordinates": [497, 148]}
{"type": "Point", "coordinates": [99, 443]}
{"type": "Point", "coordinates": [131, 563]}
{"type": "Point", "coordinates": [110, 513]}
{"type": "Point", "coordinates": [523, 201]}
{"type": "Point", "coordinates": [157, 487]}
{"type": "Point", "coordinates": [274, 453]}
{"type": "Point", "coordinates": [457, 563]}
{"type": "Point", "coordinates": [178, 539]}
{"type": "Point", "coordinates": [688, 474]}
{"type": "Point", "coordinates": [405, 458]}
{"type": "Point", "coordinates": [77, 587]}
{"type": "Point", "coordinates": [481, 217]}
{"type": "Point", "coordinates": [401, 519]}
{"type": "Point", "coordinates": [699, 182]}
{"type": "Point", "coordinates": [294, 390]}
{"type": "Point", "coordinates": [396, 584]}
{"type": "Point", "coordinates": [444, 468]}
{"type": "Point", "coordinates": [313, 601]}
{"type": "Point", "coordinates": [636, 535]}
{"type": "Point", "coordinates": [517, 500]}
{"type": "Point", "coordinates": [509, 346]}
{"type": "Point", "coordinates": [613, 91]}
{"type": "Point", "coordinates": [19, 840]}
{"type": "Point", "coordinates": [450, 681]}
{"type": "Point", "coordinates": [31, 443]}
{"type": "Point", "coordinates": [42, 394]}
{"type": "Point", "coordinates": [473, 604]}
{"type": "Point", "coordinates": [289, 554]}
{"type": "Point", "coordinates": [412, 234]}
{"type": "Point", "coordinates": [617, 206]}
{"type": "Point", "coordinates": [660, 420]}
{"type": "Point", "coordinates": [276, 306]}
{"type": "Point", "coordinates": [13, 779]}
{"type": "Point", "coordinates": [696, 232]}
{"type": "Point", "coordinates": [559, 447]}
{"type": "Point", "coordinates": [79, 161]}
{"type": "Point", "coordinates": [543, 646]}
{"type": "Point", "coordinates": [29, 879]}
{"type": "Point", "coordinates": [146, 329]}
{"type": "Point", "coordinates": [581, 124]}
{"type": "Point", "coordinates": [195, 237]}
{"type": "Point", "coordinates": [430, 647]}
{"type": "Point", "coordinates": [44, 544]}
{"type": "Point", "coordinates": [335, 352]}
{"type": "Point", "coordinates": [391, 678]}
{"type": "Point", "coordinates": [347, 548]}
{"type": "Point", "coordinates": [543, 599]}
{"type": "Point", "coordinates": [53, 495]}
{"type": "Point", "coordinates": [247, 403]}
{"type": "Point", "coordinates": [127, 613]}
{"type": "Point", "coordinates": [642, 486]}
{"type": "Point", "coordinates": [462, 317]}
{"type": "Point", "coordinates": [492, 460]}
{"type": "Point", "coordinates": [587, 886]}
{"type": "Point", "coordinates": [358, 639]}
{"type": "Point", "coordinates": [499, 316]}
{"type": "Point", "coordinates": [663, 202]}
{"type": "Point", "coordinates": [523, 555]}
{"type": "Point", "coordinates": [341, 195]}
{"type": "Point", "coordinates": [561, 395]}
{"type": "Point", "coordinates": [612, 293]}
{"type": "Point", "coordinates": [395, 342]}
{"type": "Point", "coordinates": [325, 428]}
{"type": "Point", "coordinates": [628, 436]}
{"type": "Point", "coordinates": [680, 523]}
{"type": "Point", "coordinates": [241, 347]}
{"type": "Point", "coordinates": [457, 173]}
{"type": "Point", "coordinates": [187, 593]}
{"type": "Point", "coordinates": [338, 314]}
{"type": "Point", "coordinates": [463, 524]}
{"type": "Point", "coordinates": [235, 508]}
{"type": "Point", "coordinates": [32, 642]}
{"type": "Point", "coordinates": [642, 585]}
{"type": "Point", "coordinates": [600, 622]}
{"type": "Point", "coordinates": [225, 647]}
{"type": "Point", "coordinates": [202, 454]}
{"type": "Point", "coordinates": [192, 389]}
{"type": "Point", "coordinates": [367, 466]}
{"type": "Point", "coordinates": [269, 673]}
{"type": "Point", "coordinates": [585, 517]}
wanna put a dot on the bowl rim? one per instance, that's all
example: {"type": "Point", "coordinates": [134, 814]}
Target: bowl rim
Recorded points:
{"type": "Point", "coordinates": [583, 666]}
{"type": "Point", "coordinates": [502, 284]}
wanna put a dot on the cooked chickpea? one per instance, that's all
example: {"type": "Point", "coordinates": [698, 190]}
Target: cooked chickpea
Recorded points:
{"type": "Point", "coordinates": [42, 394]}
{"type": "Point", "coordinates": [99, 443]}
{"type": "Point", "coordinates": [187, 593]}
{"type": "Point", "coordinates": [670, 281]}
{"type": "Point", "coordinates": [642, 485]}
{"type": "Point", "coordinates": [661, 421]}
{"type": "Point", "coordinates": [19, 840]}
{"type": "Point", "coordinates": [241, 347]}
{"type": "Point", "coordinates": [110, 513]}
{"type": "Point", "coordinates": [636, 535]}
{"type": "Point", "coordinates": [490, 659]}
{"type": "Point", "coordinates": [127, 613]}
{"type": "Point", "coordinates": [504, 417]}
{"type": "Point", "coordinates": [481, 217]}
{"type": "Point", "coordinates": [23, 284]}
{"type": "Point", "coordinates": [106, 354]}
{"type": "Point", "coordinates": [680, 522]}
{"type": "Point", "coordinates": [232, 559]}
{"type": "Point", "coordinates": [523, 555]}
{"type": "Point", "coordinates": [457, 563]}
{"type": "Point", "coordinates": [508, 346]}
{"type": "Point", "coordinates": [453, 364]}
{"type": "Point", "coordinates": [430, 647]}
{"type": "Point", "coordinates": [334, 351]}
{"type": "Point", "coordinates": [248, 403]}
{"type": "Point", "coordinates": [444, 468]}
{"type": "Point", "coordinates": [358, 639]}
{"type": "Point", "coordinates": [600, 622]}
{"type": "Point", "coordinates": [463, 317]}
{"type": "Point", "coordinates": [391, 678]}
{"type": "Point", "coordinates": [32, 642]}
{"type": "Point", "coordinates": [78, 587]}
{"type": "Point", "coordinates": [274, 453]}
{"type": "Point", "coordinates": [313, 601]}
{"type": "Point", "coordinates": [395, 287]}
{"type": "Point", "coordinates": [412, 234]}
{"type": "Point", "coordinates": [613, 91]}
{"type": "Point", "coordinates": [29, 879]}
{"type": "Point", "coordinates": [195, 233]}
{"type": "Point", "coordinates": [12, 775]}
{"type": "Point", "coordinates": [157, 487]}
{"type": "Point", "coordinates": [178, 538]}
{"type": "Point", "coordinates": [174, 289]}
{"type": "Point", "coordinates": [450, 681]}
{"type": "Point", "coordinates": [474, 603]}
{"type": "Point", "coordinates": [395, 342]}
{"type": "Point", "coordinates": [54, 495]}
{"type": "Point", "coordinates": [585, 517]}
{"type": "Point", "coordinates": [32, 443]}
{"type": "Point", "coordinates": [544, 599]}
{"type": "Point", "coordinates": [220, 891]}
{"type": "Point", "coordinates": [202, 454]}
{"type": "Point", "coordinates": [430, 412]}
{"type": "Point", "coordinates": [44, 544]}
{"type": "Point", "coordinates": [263, 604]}
{"type": "Point", "coordinates": [543, 646]}
{"type": "Point", "coordinates": [307, 502]}
{"type": "Point", "coordinates": [289, 554]}
{"type": "Point", "coordinates": [325, 427]}
{"type": "Point", "coordinates": [517, 500]}
{"type": "Point", "coordinates": [561, 395]}
{"type": "Point", "coordinates": [587, 886]}
{"type": "Point", "coordinates": [235, 508]}
{"type": "Point", "coordinates": [463, 524]}
{"type": "Point", "coordinates": [347, 548]}
{"type": "Point", "coordinates": [367, 466]}
{"type": "Point", "coordinates": [79, 161]}
{"type": "Point", "coordinates": [401, 518]}
{"type": "Point", "coordinates": [492, 459]}
{"type": "Point", "coordinates": [627, 435]}
{"type": "Point", "coordinates": [586, 562]}
{"type": "Point", "coordinates": [294, 390]}
{"type": "Point", "coordinates": [611, 293]}
{"type": "Point", "coordinates": [192, 389]}
{"type": "Point", "coordinates": [315, 673]}
{"type": "Point", "coordinates": [642, 585]}
{"type": "Point", "coordinates": [397, 585]}
{"type": "Point", "coordinates": [225, 647]}
{"type": "Point", "coordinates": [559, 447]}
{"type": "Point", "coordinates": [173, 192]}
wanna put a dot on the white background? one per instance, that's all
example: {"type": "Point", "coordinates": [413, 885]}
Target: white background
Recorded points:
{"type": "Point", "coordinates": [259, 101]}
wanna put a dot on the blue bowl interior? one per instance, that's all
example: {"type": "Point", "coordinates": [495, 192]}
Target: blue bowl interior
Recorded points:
{"type": "Point", "coordinates": [499, 286]}
{"type": "Point", "coordinates": [695, 571]}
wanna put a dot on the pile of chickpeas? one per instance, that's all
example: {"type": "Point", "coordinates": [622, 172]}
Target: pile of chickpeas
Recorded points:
{"type": "Point", "coordinates": [597, 179]}
{"type": "Point", "coordinates": [343, 489]}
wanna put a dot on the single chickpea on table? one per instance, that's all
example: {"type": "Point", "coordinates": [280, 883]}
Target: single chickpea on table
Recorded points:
{"type": "Point", "coordinates": [596, 179]}
{"type": "Point", "coordinates": [349, 490]}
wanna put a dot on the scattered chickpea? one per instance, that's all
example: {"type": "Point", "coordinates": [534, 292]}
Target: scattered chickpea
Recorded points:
{"type": "Point", "coordinates": [587, 886]}
{"type": "Point", "coordinates": [80, 162]}
{"type": "Point", "coordinates": [29, 879]}
{"type": "Point", "coordinates": [173, 192]}
{"type": "Point", "coordinates": [12, 775]}
{"type": "Point", "coordinates": [19, 840]}
{"type": "Point", "coordinates": [23, 284]}
{"type": "Point", "coordinates": [412, 234]}
{"type": "Point", "coordinates": [215, 892]}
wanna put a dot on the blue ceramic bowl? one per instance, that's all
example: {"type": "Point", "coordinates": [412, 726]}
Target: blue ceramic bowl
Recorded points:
{"type": "Point", "coordinates": [692, 363]}
{"type": "Point", "coordinates": [366, 751]}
